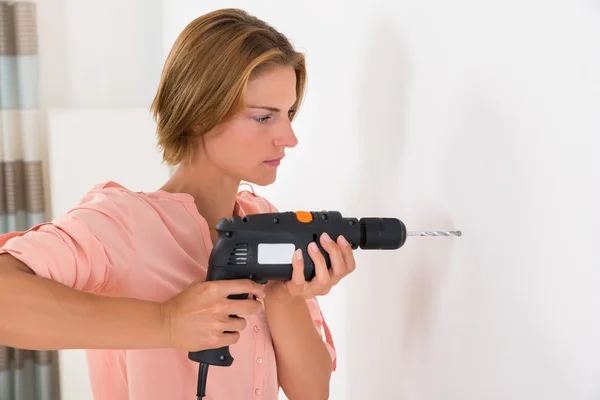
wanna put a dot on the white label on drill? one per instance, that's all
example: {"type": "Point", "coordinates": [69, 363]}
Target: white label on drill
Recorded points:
{"type": "Point", "coordinates": [275, 253]}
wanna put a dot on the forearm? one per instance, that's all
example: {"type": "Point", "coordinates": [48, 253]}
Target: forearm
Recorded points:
{"type": "Point", "coordinates": [39, 314]}
{"type": "Point", "coordinates": [304, 364]}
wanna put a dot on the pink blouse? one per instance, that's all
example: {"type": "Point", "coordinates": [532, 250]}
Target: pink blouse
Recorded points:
{"type": "Point", "coordinates": [150, 245]}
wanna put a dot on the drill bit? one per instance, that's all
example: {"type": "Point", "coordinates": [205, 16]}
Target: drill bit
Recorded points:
{"type": "Point", "coordinates": [435, 233]}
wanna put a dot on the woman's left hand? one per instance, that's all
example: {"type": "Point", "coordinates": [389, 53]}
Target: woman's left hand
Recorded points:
{"type": "Point", "coordinates": [342, 260]}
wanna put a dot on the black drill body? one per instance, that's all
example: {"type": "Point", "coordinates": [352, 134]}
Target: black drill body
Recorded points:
{"type": "Point", "coordinates": [260, 247]}
{"type": "Point", "coordinates": [236, 252]}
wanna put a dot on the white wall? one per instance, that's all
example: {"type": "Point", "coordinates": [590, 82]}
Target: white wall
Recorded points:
{"type": "Point", "coordinates": [99, 53]}
{"type": "Point", "coordinates": [471, 115]}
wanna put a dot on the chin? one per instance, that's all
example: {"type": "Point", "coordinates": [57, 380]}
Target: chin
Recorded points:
{"type": "Point", "coordinates": [263, 180]}
{"type": "Point", "coordinates": [260, 182]}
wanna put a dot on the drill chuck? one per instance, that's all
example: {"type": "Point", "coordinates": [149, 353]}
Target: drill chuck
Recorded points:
{"type": "Point", "coordinates": [382, 233]}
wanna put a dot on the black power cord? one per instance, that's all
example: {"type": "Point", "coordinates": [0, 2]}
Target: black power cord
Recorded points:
{"type": "Point", "coordinates": [202, 375]}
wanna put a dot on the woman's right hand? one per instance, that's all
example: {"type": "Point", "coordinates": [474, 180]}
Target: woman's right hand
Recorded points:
{"type": "Point", "coordinates": [199, 317]}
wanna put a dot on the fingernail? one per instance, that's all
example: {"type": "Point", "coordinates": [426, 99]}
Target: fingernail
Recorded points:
{"type": "Point", "coordinates": [299, 254]}
{"type": "Point", "coordinates": [313, 247]}
{"type": "Point", "coordinates": [326, 237]}
{"type": "Point", "coordinates": [343, 241]}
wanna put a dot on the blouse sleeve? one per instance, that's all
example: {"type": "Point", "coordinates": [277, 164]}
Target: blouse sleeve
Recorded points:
{"type": "Point", "coordinates": [85, 248]}
{"type": "Point", "coordinates": [322, 328]}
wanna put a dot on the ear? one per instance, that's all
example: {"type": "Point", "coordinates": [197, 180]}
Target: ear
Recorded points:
{"type": "Point", "coordinates": [195, 129]}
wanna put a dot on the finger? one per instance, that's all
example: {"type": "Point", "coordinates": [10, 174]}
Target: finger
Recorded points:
{"type": "Point", "coordinates": [239, 286]}
{"type": "Point", "coordinates": [233, 324]}
{"type": "Point", "coordinates": [321, 279]}
{"type": "Point", "coordinates": [347, 254]}
{"type": "Point", "coordinates": [298, 268]}
{"type": "Point", "coordinates": [338, 265]}
{"type": "Point", "coordinates": [228, 339]}
{"type": "Point", "coordinates": [242, 307]}
{"type": "Point", "coordinates": [298, 281]}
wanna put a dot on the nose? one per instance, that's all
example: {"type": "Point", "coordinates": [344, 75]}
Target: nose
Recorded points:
{"type": "Point", "coordinates": [286, 137]}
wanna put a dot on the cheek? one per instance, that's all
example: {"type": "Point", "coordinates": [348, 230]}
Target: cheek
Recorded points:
{"type": "Point", "coordinates": [248, 135]}
{"type": "Point", "coordinates": [237, 146]}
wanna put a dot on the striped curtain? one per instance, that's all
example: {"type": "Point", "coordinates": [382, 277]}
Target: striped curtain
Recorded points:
{"type": "Point", "coordinates": [24, 374]}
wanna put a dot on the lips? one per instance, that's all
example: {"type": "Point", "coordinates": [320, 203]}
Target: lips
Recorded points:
{"type": "Point", "coordinates": [274, 163]}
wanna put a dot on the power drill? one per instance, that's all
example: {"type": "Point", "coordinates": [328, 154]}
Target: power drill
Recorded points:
{"type": "Point", "coordinates": [261, 246]}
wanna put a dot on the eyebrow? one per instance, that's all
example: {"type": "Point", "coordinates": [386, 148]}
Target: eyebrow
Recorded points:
{"type": "Point", "coordinates": [272, 109]}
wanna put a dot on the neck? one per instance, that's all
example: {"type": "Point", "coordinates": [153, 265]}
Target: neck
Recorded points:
{"type": "Point", "coordinates": [213, 191]}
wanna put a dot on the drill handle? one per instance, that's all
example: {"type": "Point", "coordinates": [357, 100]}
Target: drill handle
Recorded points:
{"type": "Point", "coordinates": [221, 356]}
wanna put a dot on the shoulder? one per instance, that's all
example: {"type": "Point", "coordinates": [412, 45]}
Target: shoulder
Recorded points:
{"type": "Point", "coordinates": [107, 191]}
{"type": "Point", "coordinates": [107, 201]}
{"type": "Point", "coordinates": [110, 194]}
{"type": "Point", "coordinates": [102, 195]}
{"type": "Point", "coordinates": [253, 203]}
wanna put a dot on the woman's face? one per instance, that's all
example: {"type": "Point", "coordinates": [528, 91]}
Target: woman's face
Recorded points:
{"type": "Point", "coordinates": [250, 146]}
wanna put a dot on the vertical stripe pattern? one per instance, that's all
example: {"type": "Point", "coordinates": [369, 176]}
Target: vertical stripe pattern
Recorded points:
{"type": "Point", "coordinates": [24, 374]}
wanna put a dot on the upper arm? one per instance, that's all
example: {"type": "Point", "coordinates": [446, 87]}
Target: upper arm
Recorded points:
{"type": "Point", "coordinates": [84, 248]}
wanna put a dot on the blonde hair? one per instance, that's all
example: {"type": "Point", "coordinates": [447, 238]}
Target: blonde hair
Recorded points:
{"type": "Point", "coordinates": [206, 73]}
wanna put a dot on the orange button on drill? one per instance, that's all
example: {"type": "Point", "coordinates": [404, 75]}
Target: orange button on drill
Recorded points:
{"type": "Point", "coordinates": [304, 216]}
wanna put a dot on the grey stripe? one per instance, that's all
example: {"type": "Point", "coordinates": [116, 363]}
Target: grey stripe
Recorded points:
{"type": "Point", "coordinates": [28, 375]}
{"type": "Point", "coordinates": [21, 356]}
{"type": "Point", "coordinates": [20, 221]}
{"type": "Point", "coordinates": [14, 190]}
{"type": "Point", "coordinates": [7, 39]}
{"type": "Point", "coordinates": [35, 219]}
{"type": "Point", "coordinates": [18, 28]}
{"type": "Point", "coordinates": [43, 357]}
{"type": "Point", "coordinates": [14, 222]}
{"type": "Point", "coordinates": [2, 190]}
{"type": "Point", "coordinates": [34, 187]}
{"type": "Point", "coordinates": [25, 381]}
{"type": "Point", "coordinates": [24, 15]}
{"type": "Point", "coordinates": [6, 385]}
{"type": "Point", "coordinates": [44, 382]}
{"type": "Point", "coordinates": [21, 187]}
{"type": "Point", "coordinates": [5, 357]}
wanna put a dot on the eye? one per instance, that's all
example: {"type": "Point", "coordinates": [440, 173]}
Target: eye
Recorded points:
{"type": "Point", "coordinates": [262, 120]}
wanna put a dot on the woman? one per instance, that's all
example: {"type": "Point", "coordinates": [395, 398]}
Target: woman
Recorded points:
{"type": "Point", "coordinates": [122, 274]}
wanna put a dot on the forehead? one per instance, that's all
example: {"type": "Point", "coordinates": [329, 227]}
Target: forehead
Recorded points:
{"type": "Point", "coordinates": [275, 86]}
